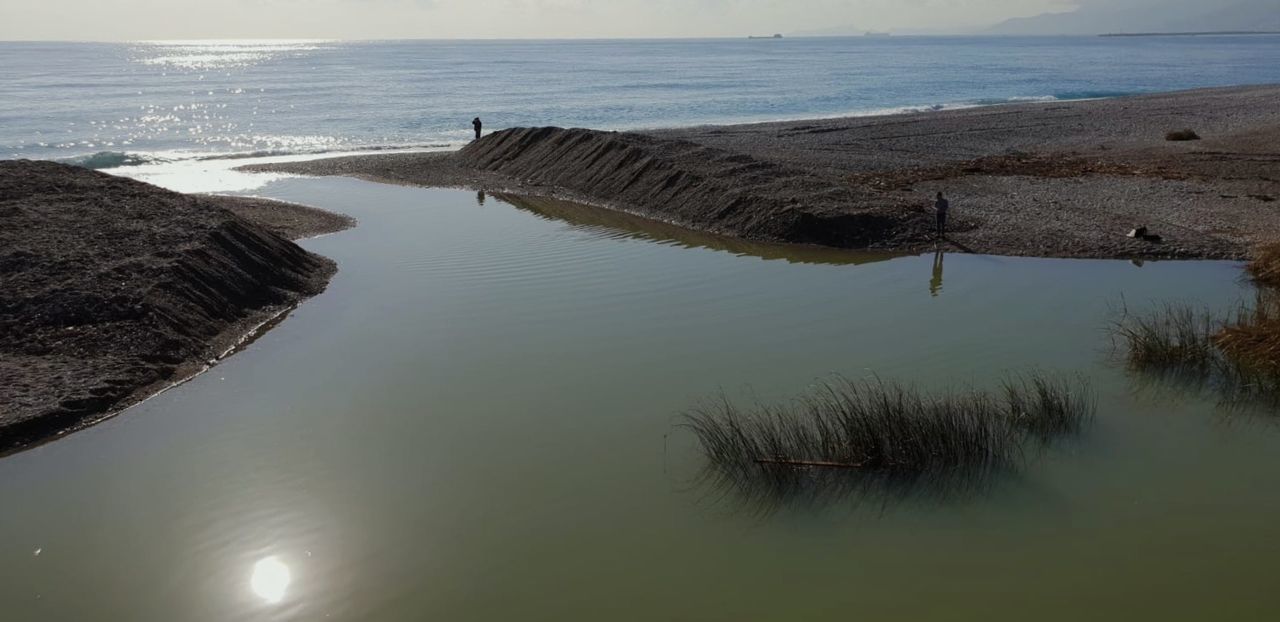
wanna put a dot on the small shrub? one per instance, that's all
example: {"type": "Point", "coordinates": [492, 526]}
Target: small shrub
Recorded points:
{"type": "Point", "coordinates": [1180, 135]}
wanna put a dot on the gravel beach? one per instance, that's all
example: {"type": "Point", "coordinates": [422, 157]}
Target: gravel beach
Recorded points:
{"type": "Point", "coordinates": [1051, 179]}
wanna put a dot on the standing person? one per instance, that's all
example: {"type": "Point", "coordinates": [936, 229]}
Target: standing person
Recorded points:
{"type": "Point", "coordinates": [940, 208]}
{"type": "Point", "coordinates": [476, 124]}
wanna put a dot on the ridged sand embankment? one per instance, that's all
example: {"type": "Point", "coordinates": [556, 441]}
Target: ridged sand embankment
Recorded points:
{"type": "Point", "coordinates": [1051, 179]}
{"type": "Point", "coordinates": [114, 289]}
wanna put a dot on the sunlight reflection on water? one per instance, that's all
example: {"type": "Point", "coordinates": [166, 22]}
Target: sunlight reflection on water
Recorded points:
{"type": "Point", "coordinates": [205, 55]}
{"type": "Point", "coordinates": [270, 579]}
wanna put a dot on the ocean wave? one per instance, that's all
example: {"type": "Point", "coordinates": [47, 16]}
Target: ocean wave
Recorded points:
{"type": "Point", "coordinates": [1003, 101]}
{"type": "Point", "coordinates": [119, 159]}
{"type": "Point", "coordinates": [1030, 99]}
{"type": "Point", "coordinates": [271, 153]}
{"type": "Point", "coordinates": [1022, 99]}
{"type": "Point", "coordinates": [111, 159]}
{"type": "Point", "coordinates": [1077, 95]}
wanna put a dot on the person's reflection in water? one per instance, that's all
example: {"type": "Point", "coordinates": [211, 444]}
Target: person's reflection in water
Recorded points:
{"type": "Point", "coordinates": [935, 283]}
{"type": "Point", "coordinates": [480, 198]}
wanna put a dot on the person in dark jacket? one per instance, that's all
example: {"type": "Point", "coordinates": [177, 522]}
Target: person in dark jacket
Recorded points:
{"type": "Point", "coordinates": [477, 124]}
{"type": "Point", "coordinates": [940, 208]}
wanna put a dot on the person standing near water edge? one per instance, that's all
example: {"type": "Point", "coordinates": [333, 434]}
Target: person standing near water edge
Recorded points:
{"type": "Point", "coordinates": [477, 124]}
{"type": "Point", "coordinates": [940, 208]}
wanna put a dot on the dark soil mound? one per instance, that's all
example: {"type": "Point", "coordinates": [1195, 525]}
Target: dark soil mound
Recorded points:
{"type": "Point", "coordinates": [113, 288]}
{"type": "Point", "coordinates": [700, 187]}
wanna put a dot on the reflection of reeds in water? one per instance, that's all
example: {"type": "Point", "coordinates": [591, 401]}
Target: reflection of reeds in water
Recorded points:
{"type": "Point", "coordinates": [879, 440]}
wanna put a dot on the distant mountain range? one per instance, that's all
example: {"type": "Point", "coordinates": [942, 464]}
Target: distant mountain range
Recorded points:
{"type": "Point", "coordinates": [1150, 16]}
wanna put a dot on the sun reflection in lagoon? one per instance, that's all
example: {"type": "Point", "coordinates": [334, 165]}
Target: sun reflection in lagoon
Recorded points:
{"type": "Point", "coordinates": [270, 579]}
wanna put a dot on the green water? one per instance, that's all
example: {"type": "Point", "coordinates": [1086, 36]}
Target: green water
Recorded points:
{"type": "Point", "coordinates": [475, 422]}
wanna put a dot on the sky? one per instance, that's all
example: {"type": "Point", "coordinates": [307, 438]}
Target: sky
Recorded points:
{"type": "Point", "coordinates": [110, 20]}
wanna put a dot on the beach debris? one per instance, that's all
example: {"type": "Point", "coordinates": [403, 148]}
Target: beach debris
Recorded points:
{"type": "Point", "coordinates": [1181, 135]}
{"type": "Point", "coordinates": [1141, 233]}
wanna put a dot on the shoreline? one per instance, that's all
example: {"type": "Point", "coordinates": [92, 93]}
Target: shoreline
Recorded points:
{"type": "Point", "coordinates": [121, 290]}
{"type": "Point", "coordinates": [1048, 179]}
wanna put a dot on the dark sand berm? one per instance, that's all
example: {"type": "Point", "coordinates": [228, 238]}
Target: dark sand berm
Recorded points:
{"type": "Point", "coordinates": [113, 289]}
{"type": "Point", "coordinates": [1052, 179]}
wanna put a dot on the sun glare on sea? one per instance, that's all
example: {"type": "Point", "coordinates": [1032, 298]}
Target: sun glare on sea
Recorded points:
{"type": "Point", "coordinates": [270, 579]}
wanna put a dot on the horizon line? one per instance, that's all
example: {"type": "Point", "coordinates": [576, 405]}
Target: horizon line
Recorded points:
{"type": "Point", "coordinates": [877, 36]}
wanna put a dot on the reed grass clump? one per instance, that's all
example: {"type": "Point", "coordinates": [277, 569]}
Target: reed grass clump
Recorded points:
{"type": "Point", "coordinates": [1237, 353]}
{"type": "Point", "coordinates": [1252, 339]}
{"type": "Point", "coordinates": [1174, 336]}
{"type": "Point", "coordinates": [1265, 267]}
{"type": "Point", "coordinates": [877, 426]}
{"type": "Point", "coordinates": [1045, 406]}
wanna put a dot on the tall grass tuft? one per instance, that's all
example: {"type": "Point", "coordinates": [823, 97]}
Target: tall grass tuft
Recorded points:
{"type": "Point", "coordinates": [853, 434]}
{"type": "Point", "coordinates": [1236, 353]}
{"type": "Point", "coordinates": [1173, 337]}
{"type": "Point", "coordinates": [1045, 406]}
{"type": "Point", "coordinates": [1265, 267]}
{"type": "Point", "coordinates": [1251, 340]}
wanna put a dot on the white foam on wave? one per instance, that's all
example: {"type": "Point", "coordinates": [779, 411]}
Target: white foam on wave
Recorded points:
{"type": "Point", "coordinates": [216, 173]}
{"type": "Point", "coordinates": [879, 112]}
{"type": "Point", "coordinates": [109, 159]}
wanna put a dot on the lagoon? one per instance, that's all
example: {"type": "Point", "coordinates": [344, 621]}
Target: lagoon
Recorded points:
{"type": "Point", "coordinates": [477, 421]}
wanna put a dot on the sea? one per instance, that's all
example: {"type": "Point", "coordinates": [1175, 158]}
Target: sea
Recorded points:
{"type": "Point", "coordinates": [189, 111]}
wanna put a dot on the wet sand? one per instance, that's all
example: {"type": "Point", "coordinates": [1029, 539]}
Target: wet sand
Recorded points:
{"type": "Point", "coordinates": [1052, 179]}
{"type": "Point", "coordinates": [115, 289]}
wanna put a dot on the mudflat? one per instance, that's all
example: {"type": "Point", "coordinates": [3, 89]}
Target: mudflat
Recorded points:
{"type": "Point", "coordinates": [1052, 179]}
{"type": "Point", "coordinates": [112, 289]}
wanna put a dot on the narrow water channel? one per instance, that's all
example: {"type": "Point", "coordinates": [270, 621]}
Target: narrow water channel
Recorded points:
{"type": "Point", "coordinates": [477, 422]}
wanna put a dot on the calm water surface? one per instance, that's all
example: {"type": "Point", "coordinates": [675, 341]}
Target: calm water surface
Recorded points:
{"type": "Point", "coordinates": [475, 422]}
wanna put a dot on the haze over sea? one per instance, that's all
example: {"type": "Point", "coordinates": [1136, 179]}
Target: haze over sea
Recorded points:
{"type": "Point", "coordinates": [108, 105]}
